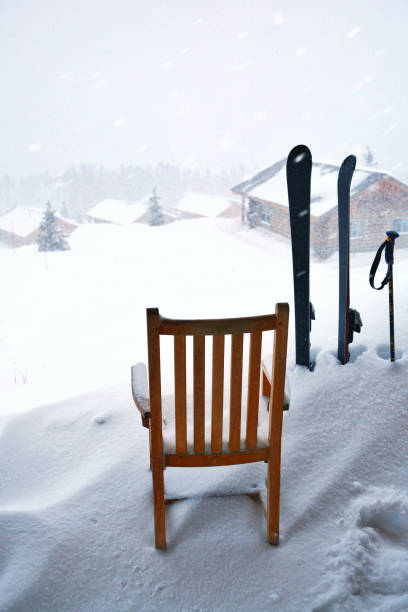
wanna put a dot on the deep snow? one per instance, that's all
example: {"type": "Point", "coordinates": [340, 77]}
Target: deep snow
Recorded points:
{"type": "Point", "coordinates": [75, 488]}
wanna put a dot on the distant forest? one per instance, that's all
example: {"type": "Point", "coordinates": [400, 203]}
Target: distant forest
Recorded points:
{"type": "Point", "coordinates": [78, 189]}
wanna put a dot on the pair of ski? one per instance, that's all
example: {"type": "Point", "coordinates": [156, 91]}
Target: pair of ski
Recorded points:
{"type": "Point", "coordinates": [298, 173]}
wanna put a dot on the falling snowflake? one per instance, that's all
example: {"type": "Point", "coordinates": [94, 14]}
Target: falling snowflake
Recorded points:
{"type": "Point", "coordinates": [119, 122]}
{"type": "Point", "coordinates": [354, 32]}
{"type": "Point", "coordinates": [390, 128]}
{"type": "Point", "coordinates": [34, 147]}
{"type": "Point", "coordinates": [243, 66]}
{"type": "Point", "coordinates": [278, 19]}
{"type": "Point", "coordinates": [167, 65]}
{"type": "Point", "coordinates": [301, 51]}
{"type": "Point", "coordinates": [242, 36]}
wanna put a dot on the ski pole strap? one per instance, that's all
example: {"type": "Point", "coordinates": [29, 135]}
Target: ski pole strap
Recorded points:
{"type": "Point", "coordinates": [388, 245]}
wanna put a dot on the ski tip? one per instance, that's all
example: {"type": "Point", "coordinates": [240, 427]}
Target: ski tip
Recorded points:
{"type": "Point", "coordinates": [299, 154]}
{"type": "Point", "coordinates": [349, 163]}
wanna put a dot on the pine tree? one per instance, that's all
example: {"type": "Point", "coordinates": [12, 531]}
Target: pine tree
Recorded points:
{"type": "Point", "coordinates": [50, 237]}
{"type": "Point", "coordinates": [64, 212]}
{"type": "Point", "coordinates": [369, 158]}
{"type": "Point", "coordinates": [156, 213]}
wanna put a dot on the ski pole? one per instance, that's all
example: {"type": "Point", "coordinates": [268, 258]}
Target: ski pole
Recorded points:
{"type": "Point", "coordinates": [388, 245]}
{"type": "Point", "coordinates": [391, 310]}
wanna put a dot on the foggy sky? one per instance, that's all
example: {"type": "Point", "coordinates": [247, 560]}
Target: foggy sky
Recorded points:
{"type": "Point", "coordinates": [203, 84]}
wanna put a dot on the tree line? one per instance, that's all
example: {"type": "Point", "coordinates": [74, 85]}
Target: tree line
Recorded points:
{"type": "Point", "coordinates": [76, 190]}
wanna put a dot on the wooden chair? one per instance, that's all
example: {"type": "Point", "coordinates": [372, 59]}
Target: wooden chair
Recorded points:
{"type": "Point", "coordinates": [215, 450]}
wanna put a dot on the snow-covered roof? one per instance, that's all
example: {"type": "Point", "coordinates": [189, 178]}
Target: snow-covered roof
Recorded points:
{"type": "Point", "coordinates": [117, 211]}
{"type": "Point", "coordinates": [203, 204]}
{"type": "Point", "coordinates": [270, 184]}
{"type": "Point", "coordinates": [21, 220]}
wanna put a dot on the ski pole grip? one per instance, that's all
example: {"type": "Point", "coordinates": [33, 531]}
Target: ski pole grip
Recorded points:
{"type": "Point", "coordinates": [389, 247]}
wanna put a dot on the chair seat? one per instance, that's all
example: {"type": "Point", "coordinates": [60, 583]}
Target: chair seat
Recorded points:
{"type": "Point", "coordinates": [169, 441]}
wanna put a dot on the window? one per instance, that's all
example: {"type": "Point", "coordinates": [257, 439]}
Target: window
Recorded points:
{"type": "Point", "coordinates": [266, 213]}
{"type": "Point", "coordinates": [401, 225]}
{"type": "Point", "coordinates": [356, 229]}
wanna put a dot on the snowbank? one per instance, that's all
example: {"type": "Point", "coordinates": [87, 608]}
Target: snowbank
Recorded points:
{"type": "Point", "coordinates": [75, 494]}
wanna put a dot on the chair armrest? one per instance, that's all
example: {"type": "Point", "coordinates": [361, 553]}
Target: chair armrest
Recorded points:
{"type": "Point", "coordinates": [266, 384]}
{"type": "Point", "coordinates": [140, 392]}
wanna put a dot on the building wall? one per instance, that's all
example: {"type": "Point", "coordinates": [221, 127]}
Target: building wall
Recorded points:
{"type": "Point", "coordinates": [66, 226]}
{"type": "Point", "coordinates": [278, 217]}
{"type": "Point", "coordinates": [233, 211]}
{"type": "Point", "coordinates": [373, 211]}
{"type": "Point", "coordinates": [377, 211]}
{"type": "Point", "coordinates": [13, 240]}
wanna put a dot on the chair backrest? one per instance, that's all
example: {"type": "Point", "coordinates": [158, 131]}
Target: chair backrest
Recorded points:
{"type": "Point", "coordinates": [218, 329]}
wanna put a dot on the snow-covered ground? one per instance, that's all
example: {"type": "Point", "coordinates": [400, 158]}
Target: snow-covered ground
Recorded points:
{"type": "Point", "coordinates": [75, 488]}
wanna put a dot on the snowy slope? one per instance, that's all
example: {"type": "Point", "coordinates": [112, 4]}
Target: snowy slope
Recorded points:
{"type": "Point", "coordinates": [75, 495]}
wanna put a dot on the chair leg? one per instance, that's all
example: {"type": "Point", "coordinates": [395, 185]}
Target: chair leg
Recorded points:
{"type": "Point", "coordinates": [273, 495]}
{"type": "Point", "coordinates": [158, 504]}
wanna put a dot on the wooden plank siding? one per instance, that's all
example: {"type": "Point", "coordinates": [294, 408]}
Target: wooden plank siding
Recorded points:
{"type": "Point", "coordinates": [375, 207]}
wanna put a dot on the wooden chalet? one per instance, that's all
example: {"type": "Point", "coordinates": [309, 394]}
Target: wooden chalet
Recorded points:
{"type": "Point", "coordinates": [120, 213]}
{"type": "Point", "coordinates": [19, 226]}
{"type": "Point", "coordinates": [378, 202]}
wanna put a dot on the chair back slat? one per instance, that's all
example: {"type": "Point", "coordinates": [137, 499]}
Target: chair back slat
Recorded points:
{"type": "Point", "coordinates": [237, 342]}
{"type": "Point", "coordinates": [212, 327]}
{"type": "Point", "coordinates": [199, 391]}
{"type": "Point", "coordinates": [254, 375]}
{"type": "Point", "coordinates": [180, 393]}
{"type": "Point", "coordinates": [217, 399]}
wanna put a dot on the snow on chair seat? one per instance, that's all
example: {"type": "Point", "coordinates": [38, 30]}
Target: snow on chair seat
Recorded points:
{"type": "Point", "coordinates": [190, 432]}
{"type": "Point", "coordinates": [169, 421]}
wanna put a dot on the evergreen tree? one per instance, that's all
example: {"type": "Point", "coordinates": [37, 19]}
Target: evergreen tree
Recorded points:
{"type": "Point", "coordinates": [64, 212]}
{"type": "Point", "coordinates": [156, 213]}
{"type": "Point", "coordinates": [50, 237]}
{"type": "Point", "coordinates": [369, 158]}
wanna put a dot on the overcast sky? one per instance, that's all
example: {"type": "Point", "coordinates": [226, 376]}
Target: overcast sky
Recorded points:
{"type": "Point", "coordinates": [203, 83]}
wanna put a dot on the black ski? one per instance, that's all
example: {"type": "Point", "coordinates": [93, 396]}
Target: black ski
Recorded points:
{"type": "Point", "coordinates": [298, 174]}
{"type": "Point", "coordinates": [349, 319]}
